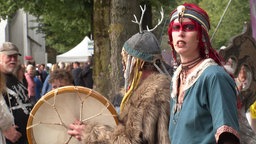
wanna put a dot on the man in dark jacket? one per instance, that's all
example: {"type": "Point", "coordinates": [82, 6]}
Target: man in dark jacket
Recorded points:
{"type": "Point", "coordinates": [86, 75]}
{"type": "Point", "coordinates": [76, 71]}
{"type": "Point", "coordinates": [16, 94]}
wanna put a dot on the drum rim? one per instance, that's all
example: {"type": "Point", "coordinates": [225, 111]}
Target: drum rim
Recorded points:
{"type": "Point", "coordinates": [66, 89]}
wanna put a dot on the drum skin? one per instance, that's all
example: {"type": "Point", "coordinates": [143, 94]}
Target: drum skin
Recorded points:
{"type": "Point", "coordinates": [49, 119]}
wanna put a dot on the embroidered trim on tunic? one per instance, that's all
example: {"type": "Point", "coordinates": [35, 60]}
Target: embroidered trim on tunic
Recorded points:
{"type": "Point", "coordinates": [223, 129]}
{"type": "Point", "coordinates": [192, 77]}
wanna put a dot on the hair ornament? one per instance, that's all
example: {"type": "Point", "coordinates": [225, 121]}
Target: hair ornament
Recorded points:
{"type": "Point", "coordinates": [181, 10]}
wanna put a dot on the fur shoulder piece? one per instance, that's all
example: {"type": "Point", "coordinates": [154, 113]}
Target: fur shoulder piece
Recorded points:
{"type": "Point", "coordinates": [96, 133]}
{"type": "Point", "coordinates": [145, 118]}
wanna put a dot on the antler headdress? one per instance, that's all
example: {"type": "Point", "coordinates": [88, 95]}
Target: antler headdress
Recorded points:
{"type": "Point", "coordinates": [142, 14]}
{"type": "Point", "coordinates": [141, 48]}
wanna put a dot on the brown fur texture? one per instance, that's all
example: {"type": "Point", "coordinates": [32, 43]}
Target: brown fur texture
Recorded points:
{"type": "Point", "coordinates": [144, 120]}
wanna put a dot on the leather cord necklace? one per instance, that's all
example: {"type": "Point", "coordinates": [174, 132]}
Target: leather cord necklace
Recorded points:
{"type": "Point", "coordinates": [187, 66]}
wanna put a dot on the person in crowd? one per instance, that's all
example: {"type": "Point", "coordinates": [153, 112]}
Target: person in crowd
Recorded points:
{"type": "Point", "coordinates": [230, 66]}
{"type": "Point", "coordinates": [60, 78]}
{"type": "Point", "coordinates": [29, 60]}
{"type": "Point", "coordinates": [204, 96]}
{"type": "Point", "coordinates": [42, 72]}
{"type": "Point", "coordinates": [247, 121]}
{"type": "Point", "coordinates": [61, 65]}
{"type": "Point", "coordinates": [46, 85]}
{"type": "Point", "coordinates": [69, 67]}
{"type": "Point", "coordinates": [47, 69]}
{"type": "Point", "coordinates": [242, 79]}
{"type": "Point", "coordinates": [86, 74]}
{"type": "Point", "coordinates": [19, 72]}
{"type": "Point", "coordinates": [242, 83]}
{"type": "Point", "coordinates": [38, 85]}
{"type": "Point", "coordinates": [145, 107]}
{"type": "Point", "coordinates": [76, 74]}
{"type": "Point", "coordinates": [16, 94]}
{"type": "Point", "coordinates": [7, 129]}
{"type": "Point", "coordinates": [29, 75]}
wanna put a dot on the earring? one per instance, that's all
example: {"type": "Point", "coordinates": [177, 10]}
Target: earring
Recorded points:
{"type": "Point", "coordinates": [206, 51]}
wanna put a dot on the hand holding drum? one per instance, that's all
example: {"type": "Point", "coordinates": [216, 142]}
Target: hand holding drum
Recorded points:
{"type": "Point", "coordinates": [57, 116]}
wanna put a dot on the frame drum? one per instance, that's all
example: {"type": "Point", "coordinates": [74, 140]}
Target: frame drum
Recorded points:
{"type": "Point", "coordinates": [49, 119]}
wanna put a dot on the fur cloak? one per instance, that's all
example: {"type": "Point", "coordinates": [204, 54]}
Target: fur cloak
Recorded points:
{"type": "Point", "coordinates": [144, 120]}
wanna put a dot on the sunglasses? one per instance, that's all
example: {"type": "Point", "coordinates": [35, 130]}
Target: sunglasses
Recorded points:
{"type": "Point", "coordinates": [184, 26]}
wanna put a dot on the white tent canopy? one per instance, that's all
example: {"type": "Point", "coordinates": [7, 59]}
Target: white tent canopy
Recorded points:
{"type": "Point", "coordinates": [80, 53]}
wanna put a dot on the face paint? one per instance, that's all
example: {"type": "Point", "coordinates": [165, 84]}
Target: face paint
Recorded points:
{"type": "Point", "coordinates": [184, 26]}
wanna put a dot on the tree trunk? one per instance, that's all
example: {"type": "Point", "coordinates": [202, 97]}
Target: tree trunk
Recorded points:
{"type": "Point", "coordinates": [121, 28]}
{"type": "Point", "coordinates": [112, 27]}
{"type": "Point", "coordinates": [102, 50]}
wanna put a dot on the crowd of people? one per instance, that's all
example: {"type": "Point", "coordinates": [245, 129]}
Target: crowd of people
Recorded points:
{"type": "Point", "coordinates": [197, 104]}
{"type": "Point", "coordinates": [22, 85]}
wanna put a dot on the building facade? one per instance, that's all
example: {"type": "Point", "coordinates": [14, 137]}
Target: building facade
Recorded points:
{"type": "Point", "coordinates": [21, 30]}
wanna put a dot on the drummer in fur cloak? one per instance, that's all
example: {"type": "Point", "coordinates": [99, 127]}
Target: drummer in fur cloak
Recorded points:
{"type": "Point", "coordinates": [145, 108]}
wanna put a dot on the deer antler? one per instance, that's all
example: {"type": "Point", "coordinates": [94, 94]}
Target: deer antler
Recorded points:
{"type": "Point", "coordinates": [159, 20]}
{"type": "Point", "coordinates": [140, 22]}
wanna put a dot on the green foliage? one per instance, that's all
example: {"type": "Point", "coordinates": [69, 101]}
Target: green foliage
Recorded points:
{"type": "Point", "coordinates": [232, 22]}
{"type": "Point", "coordinates": [64, 22]}
{"type": "Point", "coordinates": [7, 8]}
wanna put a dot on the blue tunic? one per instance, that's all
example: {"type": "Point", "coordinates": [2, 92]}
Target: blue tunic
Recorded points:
{"type": "Point", "coordinates": [209, 106]}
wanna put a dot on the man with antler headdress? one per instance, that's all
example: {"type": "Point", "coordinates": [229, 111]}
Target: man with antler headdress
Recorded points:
{"type": "Point", "coordinates": [144, 115]}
